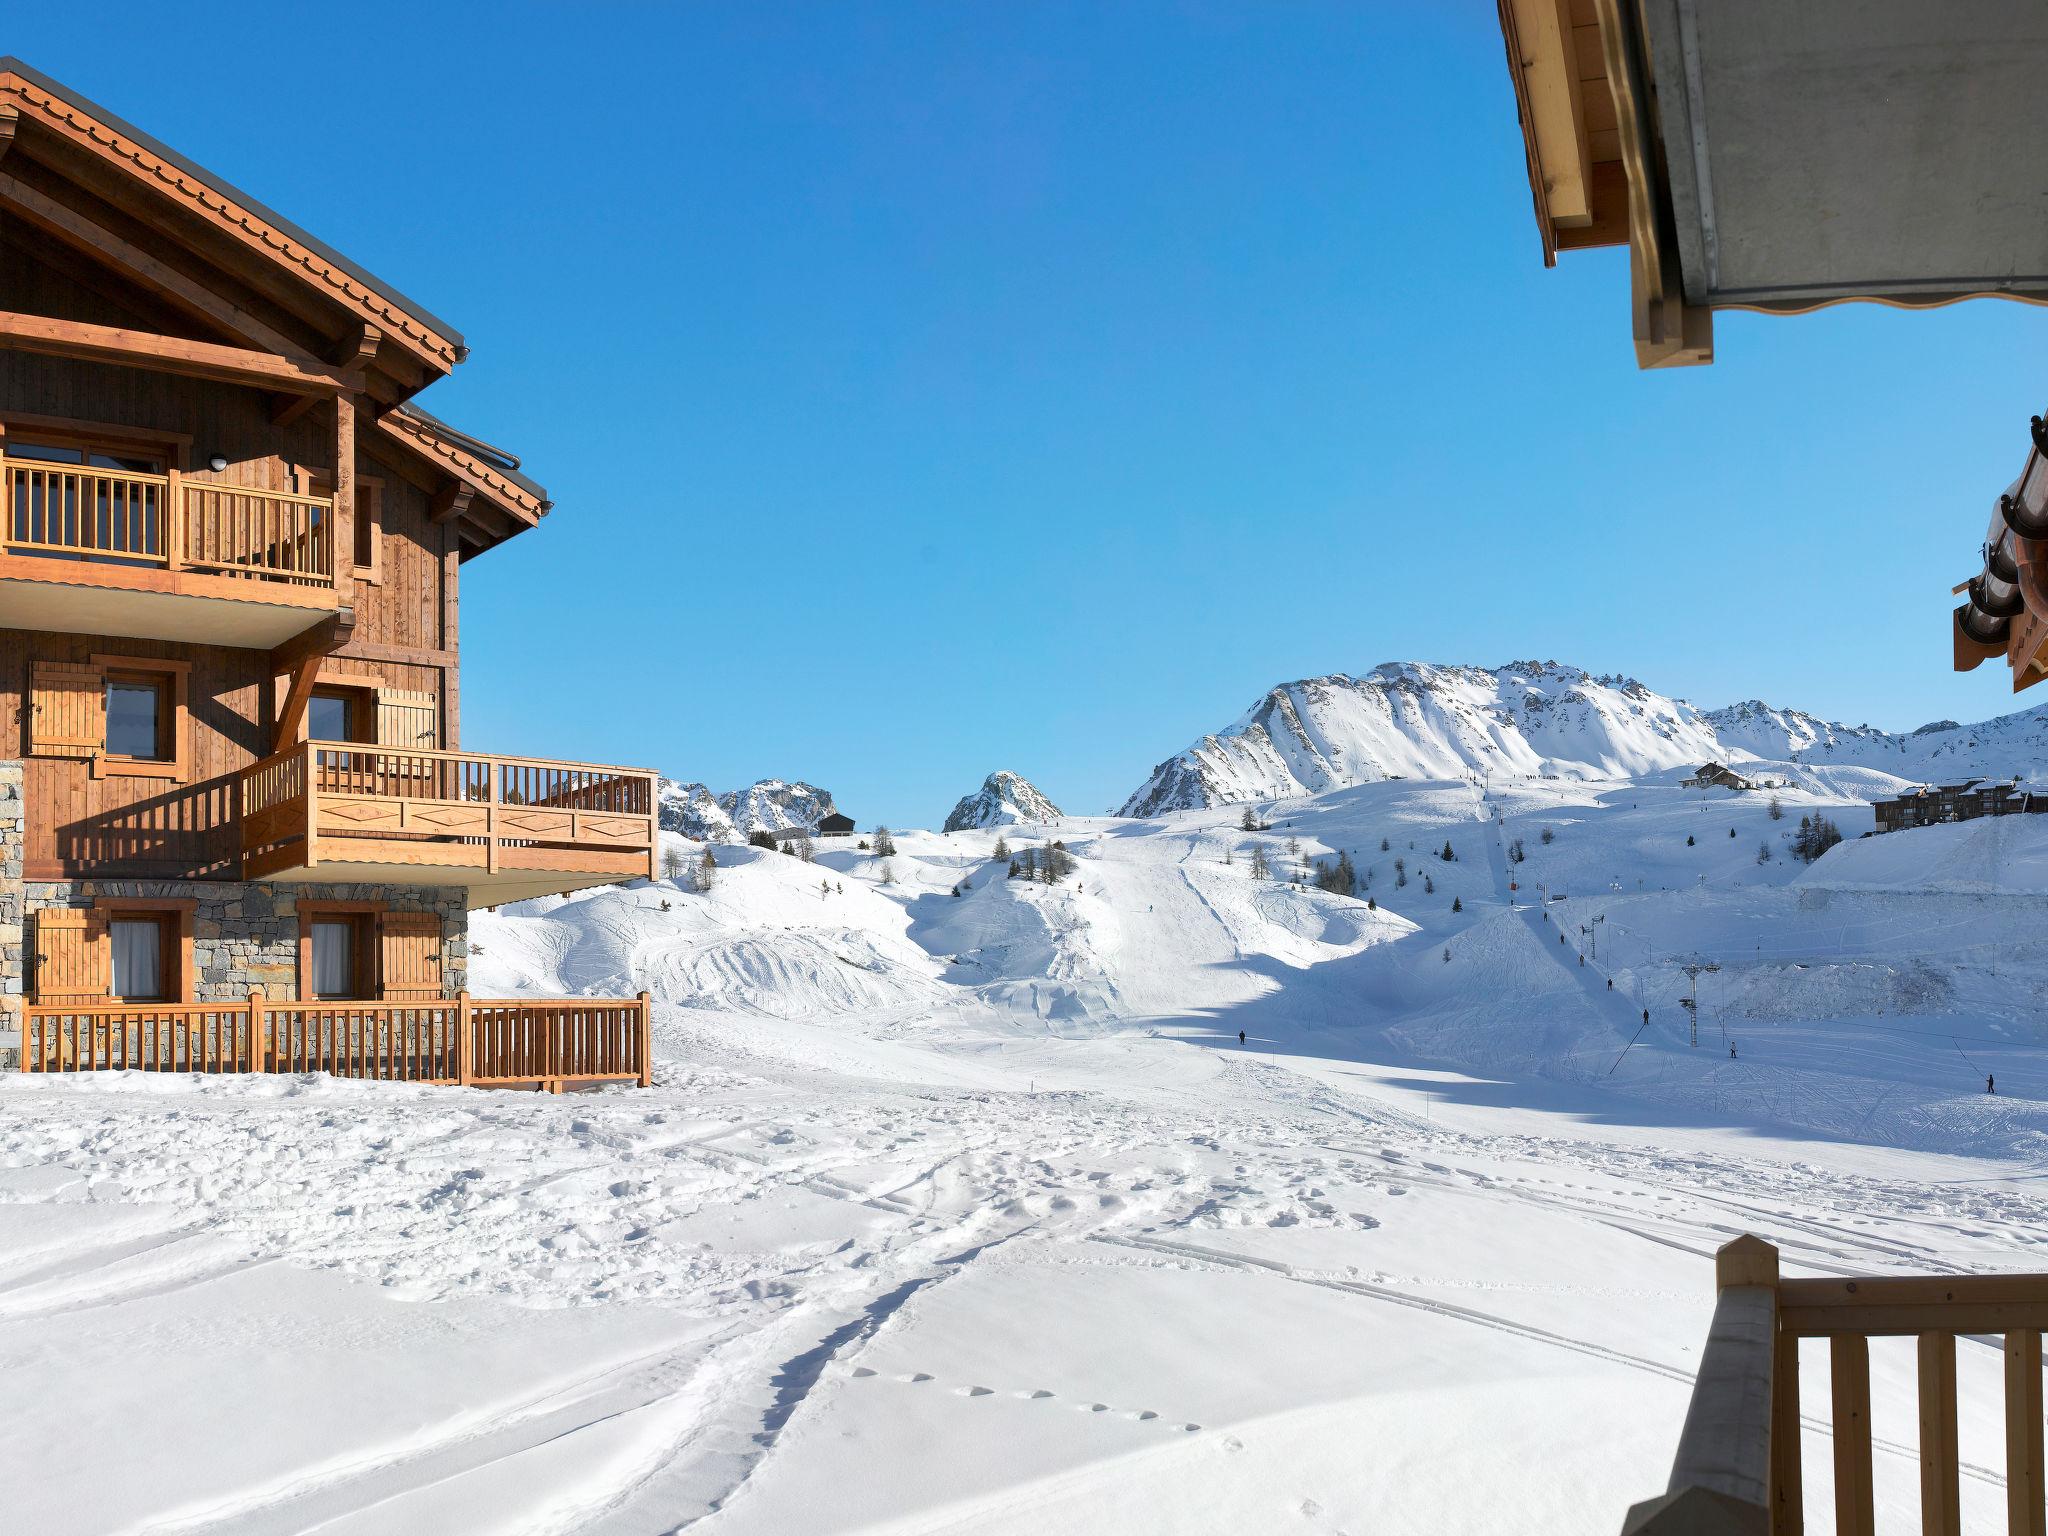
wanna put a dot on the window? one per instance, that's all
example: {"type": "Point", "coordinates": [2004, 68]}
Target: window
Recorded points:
{"type": "Point", "coordinates": [337, 952]}
{"type": "Point", "coordinates": [334, 957]}
{"type": "Point", "coordinates": [138, 959]}
{"type": "Point", "coordinates": [145, 720]}
{"type": "Point", "coordinates": [137, 717]}
{"type": "Point", "coordinates": [336, 714]}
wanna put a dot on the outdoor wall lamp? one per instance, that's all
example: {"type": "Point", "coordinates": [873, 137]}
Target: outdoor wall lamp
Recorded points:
{"type": "Point", "coordinates": [217, 462]}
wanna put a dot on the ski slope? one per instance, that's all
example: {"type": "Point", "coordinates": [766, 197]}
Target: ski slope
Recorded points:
{"type": "Point", "coordinates": [972, 1213]}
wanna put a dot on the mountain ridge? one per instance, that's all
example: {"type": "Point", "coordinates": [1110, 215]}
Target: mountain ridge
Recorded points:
{"type": "Point", "coordinates": [1544, 719]}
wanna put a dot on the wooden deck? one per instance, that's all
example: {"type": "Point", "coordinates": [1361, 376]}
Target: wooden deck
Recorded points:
{"type": "Point", "coordinates": [503, 827]}
{"type": "Point", "coordinates": [1738, 1463]}
{"type": "Point", "coordinates": [462, 1041]}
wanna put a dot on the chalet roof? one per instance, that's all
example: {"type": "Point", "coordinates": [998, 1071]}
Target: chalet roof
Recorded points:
{"type": "Point", "coordinates": [72, 114]}
{"type": "Point", "coordinates": [232, 265]}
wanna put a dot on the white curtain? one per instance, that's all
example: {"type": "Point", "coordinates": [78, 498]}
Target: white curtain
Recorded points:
{"type": "Point", "coordinates": [138, 958]}
{"type": "Point", "coordinates": [333, 962]}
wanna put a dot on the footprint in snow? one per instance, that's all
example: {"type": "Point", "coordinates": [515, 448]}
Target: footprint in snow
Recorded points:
{"type": "Point", "coordinates": [975, 1391]}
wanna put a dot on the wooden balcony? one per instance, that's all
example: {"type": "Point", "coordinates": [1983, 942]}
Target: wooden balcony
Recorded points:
{"type": "Point", "coordinates": [1738, 1464]}
{"type": "Point", "coordinates": [505, 827]}
{"type": "Point", "coordinates": [470, 1042]}
{"type": "Point", "coordinates": [117, 552]}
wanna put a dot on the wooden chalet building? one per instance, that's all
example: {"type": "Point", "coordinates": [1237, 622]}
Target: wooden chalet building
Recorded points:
{"type": "Point", "coordinates": [1716, 776]}
{"type": "Point", "coordinates": [835, 825]}
{"type": "Point", "coordinates": [1776, 158]}
{"type": "Point", "coordinates": [238, 827]}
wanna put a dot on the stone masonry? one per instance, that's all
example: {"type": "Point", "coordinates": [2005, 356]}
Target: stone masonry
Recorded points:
{"type": "Point", "coordinates": [245, 933]}
{"type": "Point", "coordinates": [13, 962]}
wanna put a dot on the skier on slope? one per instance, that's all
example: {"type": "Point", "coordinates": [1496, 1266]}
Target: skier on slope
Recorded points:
{"type": "Point", "coordinates": [1989, 1083]}
{"type": "Point", "coordinates": [1240, 1037]}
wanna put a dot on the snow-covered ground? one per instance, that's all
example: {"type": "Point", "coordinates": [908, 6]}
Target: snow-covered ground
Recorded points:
{"type": "Point", "coordinates": [972, 1213]}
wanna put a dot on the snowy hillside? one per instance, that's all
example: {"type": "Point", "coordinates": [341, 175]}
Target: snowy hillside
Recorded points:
{"type": "Point", "coordinates": [961, 1201]}
{"type": "Point", "coordinates": [1543, 719]}
{"type": "Point", "coordinates": [1004, 798]}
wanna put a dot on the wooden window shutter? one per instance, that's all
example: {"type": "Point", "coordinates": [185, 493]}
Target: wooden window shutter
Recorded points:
{"type": "Point", "coordinates": [72, 957]}
{"type": "Point", "coordinates": [67, 710]}
{"type": "Point", "coordinates": [408, 719]}
{"type": "Point", "coordinates": [409, 955]}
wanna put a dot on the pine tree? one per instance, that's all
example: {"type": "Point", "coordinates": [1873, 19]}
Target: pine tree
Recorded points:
{"type": "Point", "coordinates": [1383, 845]}
{"type": "Point", "coordinates": [1549, 836]}
{"type": "Point", "coordinates": [1449, 857]}
{"type": "Point", "coordinates": [885, 845]}
{"type": "Point", "coordinates": [1688, 840]}
{"type": "Point", "coordinates": [1776, 809]}
{"type": "Point", "coordinates": [824, 889]}
{"type": "Point", "coordinates": [1429, 885]}
{"type": "Point", "coordinates": [1763, 851]}
{"type": "Point", "coordinates": [1261, 870]}
{"type": "Point", "coordinates": [1249, 821]}
{"type": "Point", "coordinates": [1293, 846]}
{"type": "Point", "coordinates": [672, 863]}
{"type": "Point", "coordinates": [1457, 903]}
{"type": "Point", "coordinates": [806, 849]}
{"type": "Point", "coordinates": [888, 873]}
{"type": "Point", "coordinates": [1001, 849]}
{"type": "Point", "coordinates": [707, 870]}
{"type": "Point", "coordinates": [1731, 831]}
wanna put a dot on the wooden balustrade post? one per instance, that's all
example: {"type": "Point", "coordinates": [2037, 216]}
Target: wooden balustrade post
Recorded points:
{"type": "Point", "coordinates": [465, 1062]}
{"type": "Point", "coordinates": [259, 1054]}
{"type": "Point", "coordinates": [1849, 1370]}
{"type": "Point", "coordinates": [2025, 1511]}
{"type": "Point", "coordinates": [1940, 1473]}
{"type": "Point", "coordinates": [646, 1039]}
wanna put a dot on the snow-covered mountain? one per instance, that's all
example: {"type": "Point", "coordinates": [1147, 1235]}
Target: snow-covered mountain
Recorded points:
{"type": "Point", "coordinates": [1415, 720]}
{"type": "Point", "coordinates": [771, 805]}
{"type": "Point", "coordinates": [1004, 799]}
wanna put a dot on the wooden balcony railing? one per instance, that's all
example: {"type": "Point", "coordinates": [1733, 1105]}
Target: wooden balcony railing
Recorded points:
{"type": "Point", "coordinates": [1738, 1463]}
{"type": "Point", "coordinates": [349, 802]}
{"type": "Point", "coordinates": [464, 1041]}
{"type": "Point", "coordinates": [84, 513]}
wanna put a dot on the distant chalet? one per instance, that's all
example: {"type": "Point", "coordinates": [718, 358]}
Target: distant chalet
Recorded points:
{"type": "Point", "coordinates": [835, 825]}
{"type": "Point", "coordinates": [1714, 775]}
{"type": "Point", "coordinates": [1933, 804]}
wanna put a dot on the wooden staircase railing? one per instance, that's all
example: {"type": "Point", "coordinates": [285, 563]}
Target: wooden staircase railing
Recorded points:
{"type": "Point", "coordinates": [1738, 1470]}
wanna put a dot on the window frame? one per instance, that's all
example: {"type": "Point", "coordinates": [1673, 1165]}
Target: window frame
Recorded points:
{"type": "Point", "coordinates": [362, 918]}
{"type": "Point", "coordinates": [174, 721]}
{"type": "Point", "coordinates": [174, 955]}
{"type": "Point", "coordinates": [361, 705]}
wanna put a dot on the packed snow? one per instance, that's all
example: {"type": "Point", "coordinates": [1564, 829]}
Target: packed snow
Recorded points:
{"type": "Point", "coordinates": [958, 1204]}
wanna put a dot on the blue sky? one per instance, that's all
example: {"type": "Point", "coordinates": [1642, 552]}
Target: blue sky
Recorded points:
{"type": "Point", "coordinates": [927, 389]}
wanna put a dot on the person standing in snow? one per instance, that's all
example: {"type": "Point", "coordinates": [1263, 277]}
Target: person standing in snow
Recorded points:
{"type": "Point", "coordinates": [1240, 1037]}
{"type": "Point", "coordinates": [1990, 1083]}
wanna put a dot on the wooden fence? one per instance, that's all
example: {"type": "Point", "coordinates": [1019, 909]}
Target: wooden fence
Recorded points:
{"type": "Point", "coordinates": [471, 1042]}
{"type": "Point", "coordinates": [1738, 1464]}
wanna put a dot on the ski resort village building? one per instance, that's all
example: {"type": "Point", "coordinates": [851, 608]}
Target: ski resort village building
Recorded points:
{"type": "Point", "coordinates": [1778, 158]}
{"type": "Point", "coordinates": [1933, 804]}
{"type": "Point", "coordinates": [239, 830]}
{"type": "Point", "coordinates": [1716, 776]}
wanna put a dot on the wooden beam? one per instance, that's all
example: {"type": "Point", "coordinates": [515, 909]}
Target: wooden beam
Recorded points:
{"type": "Point", "coordinates": [166, 282]}
{"type": "Point", "coordinates": [345, 508]}
{"type": "Point", "coordinates": [452, 500]}
{"type": "Point", "coordinates": [322, 640]}
{"type": "Point", "coordinates": [164, 354]}
{"type": "Point", "coordinates": [293, 713]}
{"type": "Point", "coordinates": [359, 351]}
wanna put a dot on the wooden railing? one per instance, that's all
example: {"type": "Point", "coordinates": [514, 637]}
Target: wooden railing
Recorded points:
{"type": "Point", "coordinates": [86, 513]}
{"type": "Point", "coordinates": [485, 1043]}
{"type": "Point", "coordinates": [489, 806]}
{"type": "Point", "coordinates": [1738, 1463]}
